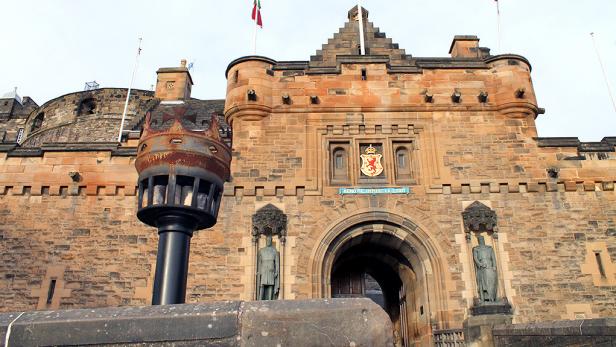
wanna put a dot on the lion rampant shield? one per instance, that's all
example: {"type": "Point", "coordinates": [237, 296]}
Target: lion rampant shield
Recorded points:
{"type": "Point", "coordinates": [371, 162]}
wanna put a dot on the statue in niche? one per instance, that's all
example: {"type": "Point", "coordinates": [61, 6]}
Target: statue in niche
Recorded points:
{"type": "Point", "coordinates": [485, 271]}
{"type": "Point", "coordinates": [268, 271]}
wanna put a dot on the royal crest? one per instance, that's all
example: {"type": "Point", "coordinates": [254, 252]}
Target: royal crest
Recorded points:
{"type": "Point", "coordinates": [371, 162]}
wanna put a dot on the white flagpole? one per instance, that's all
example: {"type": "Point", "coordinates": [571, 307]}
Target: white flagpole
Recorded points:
{"type": "Point", "coordinates": [130, 86]}
{"type": "Point", "coordinates": [498, 26]}
{"type": "Point", "coordinates": [256, 9]}
{"type": "Point", "coordinates": [361, 28]}
{"type": "Point", "coordinates": [254, 39]}
{"type": "Point", "coordinates": [607, 81]}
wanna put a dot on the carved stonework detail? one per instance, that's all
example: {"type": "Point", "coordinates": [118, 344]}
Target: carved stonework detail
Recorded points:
{"type": "Point", "coordinates": [269, 221]}
{"type": "Point", "coordinates": [479, 217]}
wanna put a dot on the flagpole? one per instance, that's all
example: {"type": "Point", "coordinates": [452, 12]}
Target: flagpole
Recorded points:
{"type": "Point", "coordinates": [607, 81]}
{"type": "Point", "coordinates": [254, 39]}
{"type": "Point", "coordinates": [361, 28]}
{"type": "Point", "coordinates": [498, 26]}
{"type": "Point", "coordinates": [130, 87]}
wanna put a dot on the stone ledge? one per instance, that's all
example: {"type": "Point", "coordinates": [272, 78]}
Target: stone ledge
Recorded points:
{"type": "Point", "coordinates": [278, 190]}
{"type": "Point", "coordinates": [607, 144]}
{"type": "Point", "coordinates": [113, 147]}
{"type": "Point", "coordinates": [332, 322]}
{"type": "Point", "coordinates": [337, 322]}
{"type": "Point", "coordinates": [523, 187]}
{"type": "Point", "coordinates": [583, 327]}
{"type": "Point", "coordinates": [107, 326]}
{"type": "Point", "coordinates": [588, 332]}
{"type": "Point", "coordinates": [68, 190]}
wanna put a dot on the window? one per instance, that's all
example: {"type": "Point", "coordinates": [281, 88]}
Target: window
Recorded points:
{"type": "Point", "coordinates": [339, 165]}
{"type": "Point", "coordinates": [600, 264]}
{"type": "Point", "coordinates": [51, 290]}
{"type": "Point", "coordinates": [87, 106]}
{"type": "Point", "coordinates": [37, 123]}
{"type": "Point", "coordinates": [403, 163]}
{"type": "Point", "coordinates": [402, 156]}
{"type": "Point", "coordinates": [339, 162]}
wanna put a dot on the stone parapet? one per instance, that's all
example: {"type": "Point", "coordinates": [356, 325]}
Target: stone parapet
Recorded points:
{"type": "Point", "coordinates": [337, 322]}
{"type": "Point", "coordinates": [87, 116]}
{"type": "Point", "coordinates": [586, 332]}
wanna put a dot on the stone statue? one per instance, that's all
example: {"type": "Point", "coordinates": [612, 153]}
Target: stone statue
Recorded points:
{"type": "Point", "coordinates": [485, 271]}
{"type": "Point", "coordinates": [268, 271]}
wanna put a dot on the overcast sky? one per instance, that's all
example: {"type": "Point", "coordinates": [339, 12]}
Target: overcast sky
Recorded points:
{"type": "Point", "coordinates": [52, 47]}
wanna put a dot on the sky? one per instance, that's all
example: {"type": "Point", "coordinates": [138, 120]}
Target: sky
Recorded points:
{"type": "Point", "coordinates": [52, 47]}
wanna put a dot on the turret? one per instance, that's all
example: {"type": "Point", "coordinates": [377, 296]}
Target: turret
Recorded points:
{"type": "Point", "coordinates": [249, 88]}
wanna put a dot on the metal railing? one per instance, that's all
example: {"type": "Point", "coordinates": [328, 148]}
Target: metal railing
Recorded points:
{"type": "Point", "coordinates": [449, 338]}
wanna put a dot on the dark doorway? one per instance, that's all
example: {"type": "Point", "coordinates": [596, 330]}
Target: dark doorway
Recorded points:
{"type": "Point", "coordinates": [371, 270]}
{"type": "Point", "coordinates": [393, 261]}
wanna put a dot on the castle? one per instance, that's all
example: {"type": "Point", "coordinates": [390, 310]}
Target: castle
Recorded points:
{"type": "Point", "coordinates": [376, 175]}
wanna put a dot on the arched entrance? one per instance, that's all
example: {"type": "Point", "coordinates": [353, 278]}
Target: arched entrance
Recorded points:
{"type": "Point", "coordinates": [391, 260]}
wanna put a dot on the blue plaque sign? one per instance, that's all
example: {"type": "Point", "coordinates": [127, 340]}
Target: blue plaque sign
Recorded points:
{"type": "Point", "coordinates": [370, 191]}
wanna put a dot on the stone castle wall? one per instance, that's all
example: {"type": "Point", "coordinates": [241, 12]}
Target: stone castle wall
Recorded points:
{"type": "Point", "coordinates": [90, 116]}
{"type": "Point", "coordinates": [85, 235]}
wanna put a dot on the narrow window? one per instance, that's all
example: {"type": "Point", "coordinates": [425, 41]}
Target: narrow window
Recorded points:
{"type": "Point", "coordinates": [364, 74]}
{"type": "Point", "coordinates": [236, 76]}
{"type": "Point", "coordinates": [50, 291]}
{"type": "Point", "coordinates": [403, 163]}
{"type": "Point", "coordinates": [402, 160]}
{"type": "Point", "coordinates": [600, 264]}
{"type": "Point", "coordinates": [339, 163]}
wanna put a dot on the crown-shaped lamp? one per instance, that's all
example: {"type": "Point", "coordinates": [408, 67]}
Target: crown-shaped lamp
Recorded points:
{"type": "Point", "coordinates": [181, 178]}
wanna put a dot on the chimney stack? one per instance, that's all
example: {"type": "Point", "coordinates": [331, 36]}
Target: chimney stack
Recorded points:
{"type": "Point", "coordinates": [465, 46]}
{"type": "Point", "coordinates": [173, 83]}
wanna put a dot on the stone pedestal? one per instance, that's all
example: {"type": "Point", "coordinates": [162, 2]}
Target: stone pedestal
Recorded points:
{"type": "Point", "coordinates": [478, 329]}
{"type": "Point", "coordinates": [502, 306]}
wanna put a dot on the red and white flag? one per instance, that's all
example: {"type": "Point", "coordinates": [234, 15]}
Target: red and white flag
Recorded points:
{"type": "Point", "coordinates": [256, 13]}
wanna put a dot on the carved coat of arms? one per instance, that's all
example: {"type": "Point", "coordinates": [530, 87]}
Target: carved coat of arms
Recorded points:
{"type": "Point", "coordinates": [371, 162]}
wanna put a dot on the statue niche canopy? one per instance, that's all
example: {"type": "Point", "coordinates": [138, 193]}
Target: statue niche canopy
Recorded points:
{"type": "Point", "coordinates": [479, 217]}
{"type": "Point", "coordinates": [269, 221]}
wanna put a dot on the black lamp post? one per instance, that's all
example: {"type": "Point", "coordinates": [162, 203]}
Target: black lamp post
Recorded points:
{"type": "Point", "coordinates": [181, 177]}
